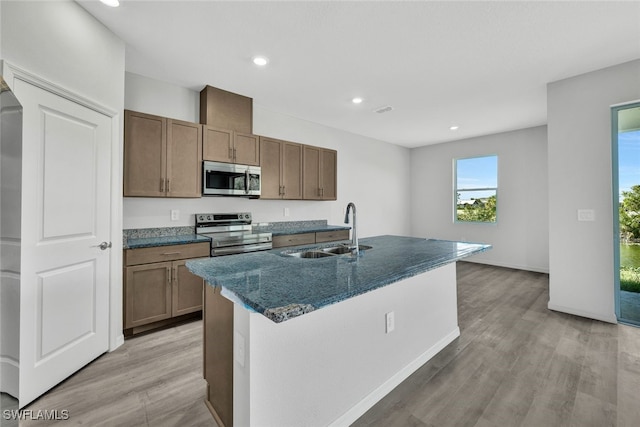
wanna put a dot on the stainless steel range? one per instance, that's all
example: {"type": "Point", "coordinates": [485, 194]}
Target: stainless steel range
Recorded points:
{"type": "Point", "coordinates": [231, 233]}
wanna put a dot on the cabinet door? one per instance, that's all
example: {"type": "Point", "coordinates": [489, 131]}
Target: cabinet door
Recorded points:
{"type": "Point", "coordinates": [292, 170]}
{"type": "Point", "coordinates": [311, 168]}
{"type": "Point", "coordinates": [145, 146]}
{"type": "Point", "coordinates": [187, 290]}
{"type": "Point", "coordinates": [147, 294]}
{"type": "Point", "coordinates": [270, 163]}
{"type": "Point", "coordinates": [246, 149]}
{"type": "Point", "coordinates": [184, 159]}
{"type": "Point", "coordinates": [217, 145]}
{"type": "Point", "coordinates": [329, 174]}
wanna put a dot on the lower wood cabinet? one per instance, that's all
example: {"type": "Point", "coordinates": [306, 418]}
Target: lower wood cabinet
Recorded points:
{"type": "Point", "coordinates": [285, 240]}
{"type": "Point", "coordinates": [158, 288]}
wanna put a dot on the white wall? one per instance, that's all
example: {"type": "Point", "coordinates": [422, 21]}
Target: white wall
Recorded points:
{"type": "Point", "coordinates": [60, 41]}
{"type": "Point", "coordinates": [520, 236]}
{"type": "Point", "coordinates": [580, 177]}
{"type": "Point", "coordinates": [349, 363]}
{"type": "Point", "coordinates": [372, 174]}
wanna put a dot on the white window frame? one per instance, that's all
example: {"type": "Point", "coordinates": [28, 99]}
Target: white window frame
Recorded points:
{"type": "Point", "coordinates": [456, 190]}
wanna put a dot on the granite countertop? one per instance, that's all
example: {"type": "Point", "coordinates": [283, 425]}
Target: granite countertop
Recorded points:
{"type": "Point", "coordinates": [297, 227]}
{"type": "Point", "coordinates": [147, 242]}
{"type": "Point", "coordinates": [282, 287]}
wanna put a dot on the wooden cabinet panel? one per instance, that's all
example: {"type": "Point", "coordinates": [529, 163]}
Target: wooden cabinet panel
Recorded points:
{"type": "Point", "coordinates": [226, 110]}
{"type": "Point", "coordinates": [162, 157]}
{"type": "Point", "coordinates": [184, 159]}
{"type": "Point", "coordinates": [293, 240]}
{"type": "Point", "coordinates": [292, 171]}
{"type": "Point", "coordinates": [247, 149]}
{"type": "Point", "coordinates": [217, 145]}
{"type": "Point", "coordinates": [145, 145]}
{"type": "Point", "coordinates": [165, 253]}
{"type": "Point", "coordinates": [332, 236]}
{"type": "Point", "coordinates": [281, 164]}
{"type": "Point", "coordinates": [320, 173]}
{"type": "Point", "coordinates": [218, 355]}
{"type": "Point", "coordinates": [311, 167]}
{"type": "Point", "coordinates": [224, 145]}
{"type": "Point", "coordinates": [329, 174]}
{"type": "Point", "coordinates": [186, 290]}
{"type": "Point", "coordinates": [158, 287]}
{"type": "Point", "coordinates": [270, 164]}
{"type": "Point", "coordinates": [147, 294]}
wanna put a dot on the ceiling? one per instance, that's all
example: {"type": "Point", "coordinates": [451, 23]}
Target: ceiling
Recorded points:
{"type": "Point", "coordinates": [482, 66]}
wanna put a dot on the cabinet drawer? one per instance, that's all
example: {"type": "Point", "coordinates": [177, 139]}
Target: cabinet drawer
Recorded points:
{"type": "Point", "coordinates": [330, 236]}
{"type": "Point", "coordinates": [293, 240]}
{"type": "Point", "coordinates": [165, 253]}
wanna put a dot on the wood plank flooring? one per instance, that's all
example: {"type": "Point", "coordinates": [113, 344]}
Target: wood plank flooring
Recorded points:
{"type": "Point", "coordinates": [516, 363]}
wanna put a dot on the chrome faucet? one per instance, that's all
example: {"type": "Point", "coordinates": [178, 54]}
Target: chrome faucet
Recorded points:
{"type": "Point", "coordinates": [354, 233]}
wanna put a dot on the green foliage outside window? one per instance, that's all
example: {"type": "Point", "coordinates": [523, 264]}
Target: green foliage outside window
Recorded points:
{"type": "Point", "coordinates": [481, 210]}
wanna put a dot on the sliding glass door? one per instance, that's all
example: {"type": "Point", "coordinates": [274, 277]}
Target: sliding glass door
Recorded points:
{"type": "Point", "coordinates": [626, 190]}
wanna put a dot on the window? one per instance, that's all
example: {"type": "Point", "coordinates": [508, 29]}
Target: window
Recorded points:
{"type": "Point", "coordinates": [476, 189]}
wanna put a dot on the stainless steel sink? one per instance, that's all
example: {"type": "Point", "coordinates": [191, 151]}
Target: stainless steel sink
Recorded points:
{"type": "Point", "coordinates": [308, 254]}
{"type": "Point", "coordinates": [324, 252]}
{"type": "Point", "coordinates": [341, 250]}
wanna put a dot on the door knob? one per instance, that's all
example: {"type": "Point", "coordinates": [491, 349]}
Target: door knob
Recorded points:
{"type": "Point", "coordinates": [103, 246]}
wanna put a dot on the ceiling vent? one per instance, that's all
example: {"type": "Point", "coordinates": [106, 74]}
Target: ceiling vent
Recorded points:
{"type": "Point", "coordinates": [383, 109]}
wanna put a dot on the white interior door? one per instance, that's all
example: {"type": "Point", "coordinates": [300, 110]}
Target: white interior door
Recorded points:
{"type": "Point", "coordinates": [64, 290]}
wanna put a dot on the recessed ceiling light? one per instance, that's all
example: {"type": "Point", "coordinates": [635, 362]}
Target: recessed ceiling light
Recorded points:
{"type": "Point", "coordinates": [112, 3]}
{"type": "Point", "coordinates": [260, 61]}
{"type": "Point", "coordinates": [356, 100]}
{"type": "Point", "coordinates": [454, 127]}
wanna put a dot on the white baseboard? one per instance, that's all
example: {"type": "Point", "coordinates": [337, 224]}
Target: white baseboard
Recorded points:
{"type": "Point", "coordinates": [375, 396]}
{"type": "Point", "coordinates": [582, 313]}
{"type": "Point", "coordinates": [514, 266]}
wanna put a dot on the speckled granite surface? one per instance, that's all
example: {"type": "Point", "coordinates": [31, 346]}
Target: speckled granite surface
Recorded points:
{"type": "Point", "coordinates": [283, 287]}
{"type": "Point", "coordinates": [298, 227]}
{"type": "Point", "coordinates": [165, 236]}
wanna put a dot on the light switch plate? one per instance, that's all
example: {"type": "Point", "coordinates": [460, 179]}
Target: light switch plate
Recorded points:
{"type": "Point", "coordinates": [586, 215]}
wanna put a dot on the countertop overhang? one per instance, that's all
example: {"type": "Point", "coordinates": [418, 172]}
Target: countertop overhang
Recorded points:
{"type": "Point", "coordinates": [283, 287]}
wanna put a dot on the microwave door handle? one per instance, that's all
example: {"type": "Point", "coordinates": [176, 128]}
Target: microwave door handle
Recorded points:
{"type": "Point", "coordinates": [247, 180]}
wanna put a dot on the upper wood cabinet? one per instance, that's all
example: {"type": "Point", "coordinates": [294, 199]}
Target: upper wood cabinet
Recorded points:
{"type": "Point", "coordinates": [162, 156]}
{"type": "Point", "coordinates": [320, 170]}
{"type": "Point", "coordinates": [281, 163]}
{"type": "Point", "coordinates": [224, 145]}
{"type": "Point", "coordinates": [226, 110]}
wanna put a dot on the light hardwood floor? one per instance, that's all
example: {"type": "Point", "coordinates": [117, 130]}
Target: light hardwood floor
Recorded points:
{"type": "Point", "coordinates": [516, 363]}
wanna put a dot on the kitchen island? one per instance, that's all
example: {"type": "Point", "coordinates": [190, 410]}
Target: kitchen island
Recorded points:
{"type": "Point", "coordinates": [292, 341]}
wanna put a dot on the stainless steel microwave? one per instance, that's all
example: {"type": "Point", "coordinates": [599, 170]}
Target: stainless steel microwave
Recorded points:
{"type": "Point", "coordinates": [227, 179]}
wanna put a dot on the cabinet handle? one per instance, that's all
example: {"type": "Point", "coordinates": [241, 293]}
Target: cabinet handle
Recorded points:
{"type": "Point", "coordinates": [234, 154]}
{"type": "Point", "coordinates": [283, 190]}
{"type": "Point", "coordinates": [162, 185]}
{"type": "Point", "coordinates": [168, 275]}
{"type": "Point", "coordinates": [322, 192]}
{"type": "Point", "coordinates": [230, 153]}
{"type": "Point", "coordinates": [175, 274]}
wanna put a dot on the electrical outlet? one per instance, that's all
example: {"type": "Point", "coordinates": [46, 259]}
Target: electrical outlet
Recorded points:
{"type": "Point", "coordinates": [285, 212]}
{"type": "Point", "coordinates": [390, 322]}
{"type": "Point", "coordinates": [175, 215]}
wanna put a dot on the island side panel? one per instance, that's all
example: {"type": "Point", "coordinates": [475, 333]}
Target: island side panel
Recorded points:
{"type": "Point", "coordinates": [218, 355]}
{"type": "Point", "coordinates": [330, 366]}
